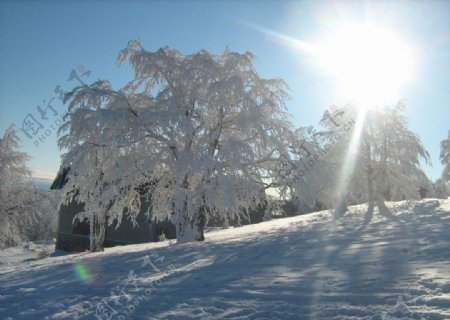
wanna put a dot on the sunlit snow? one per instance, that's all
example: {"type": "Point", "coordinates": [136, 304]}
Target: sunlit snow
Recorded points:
{"type": "Point", "coordinates": [305, 267]}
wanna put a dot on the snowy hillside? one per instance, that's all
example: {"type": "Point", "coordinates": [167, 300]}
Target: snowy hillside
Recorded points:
{"type": "Point", "coordinates": [306, 267]}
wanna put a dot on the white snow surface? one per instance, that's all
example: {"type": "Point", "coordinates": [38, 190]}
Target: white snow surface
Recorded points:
{"type": "Point", "coordinates": [304, 267]}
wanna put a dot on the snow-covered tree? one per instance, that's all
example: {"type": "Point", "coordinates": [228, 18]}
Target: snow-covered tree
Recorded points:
{"type": "Point", "coordinates": [26, 214]}
{"type": "Point", "coordinates": [393, 154]}
{"type": "Point", "coordinates": [441, 189]}
{"type": "Point", "coordinates": [340, 154]}
{"type": "Point", "coordinates": [309, 175]}
{"type": "Point", "coordinates": [361, 156]}
{"type": "Point", "coordinates": [13, 175]}
{"type": "Point", "coordinates": [445, 157]}
{"type": "Point", "coordinates": [317, 156]}
{"type": "Point", "coordinates": [194, 135]}
{"type": "Point", "coordinates": [13, 169]}
{"type": "Point", "coordinates": [386, 154]}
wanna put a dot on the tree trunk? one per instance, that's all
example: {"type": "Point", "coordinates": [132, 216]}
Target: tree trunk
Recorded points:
{"type": "Point", "coordinates": [97, 232]}
{"type": "Point", "coordinates": [190, 230]}
{"type": "Point", "coordinates": [341, 207]}
{"type": "Point", "coordinates": [97, 223]}
{"type": "Point", "coordinates": [370, 188]}
{"type": "Point", "coordinates": [200, 223]}
{"type": "Point", "coordinates": [382, 208]}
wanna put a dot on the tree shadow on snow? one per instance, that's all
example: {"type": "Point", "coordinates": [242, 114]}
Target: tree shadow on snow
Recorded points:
{"type": "Point", "coordinates": [305, 270]}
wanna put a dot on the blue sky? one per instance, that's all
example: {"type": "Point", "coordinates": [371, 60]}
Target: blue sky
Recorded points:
{"type": "Point", "coordinates": [42, 41]}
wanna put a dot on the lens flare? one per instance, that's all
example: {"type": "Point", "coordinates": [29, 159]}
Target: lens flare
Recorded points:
{"type": "Point", "coordinates": [82, 272]}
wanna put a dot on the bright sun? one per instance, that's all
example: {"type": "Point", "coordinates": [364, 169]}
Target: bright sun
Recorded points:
{"type": "Point", "coordinates": [370, 65]}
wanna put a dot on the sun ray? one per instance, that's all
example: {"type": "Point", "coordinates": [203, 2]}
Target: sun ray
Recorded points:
{"type": "Point", "coordinates": [348, 163]}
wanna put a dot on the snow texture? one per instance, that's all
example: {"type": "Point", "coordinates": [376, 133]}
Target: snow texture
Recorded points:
{"type": "Point", "coordinates": [304, 267]}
